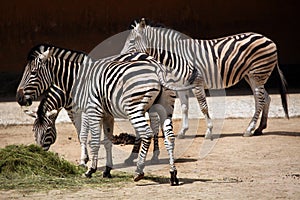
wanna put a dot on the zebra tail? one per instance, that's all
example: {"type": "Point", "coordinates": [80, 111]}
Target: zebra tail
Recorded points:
{"type": "Point", "coordinates": [172, 86]}
{"type": "Point", "coordinates": [283, 92]}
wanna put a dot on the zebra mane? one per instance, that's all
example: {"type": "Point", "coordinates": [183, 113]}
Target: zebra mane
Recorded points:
{"type": "Point", "coordinates": [149, 22]}
{"type": "Point", "coordinates": [40, 48]}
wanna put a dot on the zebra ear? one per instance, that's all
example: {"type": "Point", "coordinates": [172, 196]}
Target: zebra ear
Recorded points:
{"type": "Point", "coordinates": [45, 55]}
{"type": "Point", "coordinates": [143, 23]}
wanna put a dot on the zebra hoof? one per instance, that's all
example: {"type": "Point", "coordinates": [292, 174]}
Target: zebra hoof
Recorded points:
{"type": "Point", "coordinates": [247, 134]}
{"type": "Point", "coordinates": [257, 132]}
{"type": "Point", "coordinates": [138, 176]}
{"type": "Point", "coordinates": [208, 136]}
{"type": "Point", "coordinates": [89, 173]}
{"type": "Point", "coordinates": [174, 180]}
{"type": "Point", "coordinates": [106, 173]}
{"type": "Point", "coordinates": [181, 136]}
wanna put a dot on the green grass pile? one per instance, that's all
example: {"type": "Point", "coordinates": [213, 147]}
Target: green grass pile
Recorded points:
{"type": "Point", "coordinates": [30, 168]}
{"type": "Point", "coordinates": [22, 161]}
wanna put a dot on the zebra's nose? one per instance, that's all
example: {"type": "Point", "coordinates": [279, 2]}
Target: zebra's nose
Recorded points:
{"type": "Point", "coordinates": [20, 96]}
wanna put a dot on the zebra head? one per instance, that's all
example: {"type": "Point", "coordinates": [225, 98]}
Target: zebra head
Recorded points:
{"type": "Point", "coordinates": [136, 40]}
{"type": "Point", "coordinates": [36, 77]}
{"type": "Point", "coordinates": [44, 129]}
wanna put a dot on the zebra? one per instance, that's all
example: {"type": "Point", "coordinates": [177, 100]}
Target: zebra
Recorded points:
{"type": "Point", "coordinates": [55, 100]}
{"type": "Point", "coordinates": [45, 131]}
{"type": "Point", "coordinates": [96, 88]}
{"type": "Point", "coordinates": [222, 62]}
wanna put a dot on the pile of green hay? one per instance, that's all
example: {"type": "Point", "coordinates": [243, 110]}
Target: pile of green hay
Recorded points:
{"type": "Point", "coordinates": [17, 161]}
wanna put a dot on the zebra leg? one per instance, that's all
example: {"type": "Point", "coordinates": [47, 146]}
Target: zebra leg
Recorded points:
{"type": "Point", "coordinates": [154, 124]}
{"type": "Point", "coordinates": [95, 128]}
{"type": "Point", "coordinates": [135, 150]}
{"type": "Point", "coordinates": [84, 130]}
{"type": "Point", "coordinates": [108, 126]}
{"type": "Point", "coordinates": [184, 100]}
{"type": "Point", "coordinates": [259, 96]}
{"type": "Point", "coordinates": [146, 133]}
{"type": "Point", "coordinates": [201, 97]}
{"type": "Point", "coordinates": [264, 117]}
{"type": "Point", "coordinates": [80, 121]}
{"type": "Point", "coordinates": [170, 144]}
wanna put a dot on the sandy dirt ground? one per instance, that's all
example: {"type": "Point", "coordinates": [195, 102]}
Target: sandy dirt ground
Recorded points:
{"type": "Point", "coordinates": [229, 167]}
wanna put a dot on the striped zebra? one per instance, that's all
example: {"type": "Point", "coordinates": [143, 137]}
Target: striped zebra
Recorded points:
{"type": "Point", "coordinates": [222, 62]}
{"type": "Point", "coordinates": [45, 131]}
{"type": "Point", "coordinates": [125, 88]}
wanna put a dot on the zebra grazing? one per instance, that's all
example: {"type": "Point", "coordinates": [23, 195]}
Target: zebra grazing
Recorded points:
{"type": "Point", "coordinates": [222, 62]}
{"type": "Point", "coordinates": [48, 110]}
{"type": "Point", "coordinates": [124, 88]}
{"type": "Point", "coordinates": [45, 131]}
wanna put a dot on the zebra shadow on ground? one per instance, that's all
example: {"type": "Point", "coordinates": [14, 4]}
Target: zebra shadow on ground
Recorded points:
{"type": "Point", "coordinates": [162, 161]}
{"type": "Point", "coordinates": [277, 133]}
{"type": "Point", "coordinates": [184, 181]}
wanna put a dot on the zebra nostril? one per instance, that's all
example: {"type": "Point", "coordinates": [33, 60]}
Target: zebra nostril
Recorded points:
{"type": "Point", "coordinates": [20, 96]}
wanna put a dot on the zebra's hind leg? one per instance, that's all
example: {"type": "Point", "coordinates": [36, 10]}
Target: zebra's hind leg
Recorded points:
{"type": "Point", "coordinates": [108, 126]}
{"type": "Point", "coordinates": [154, 124]}
{"type": "Point", "coordinates": [170, 144]}
{"type": "Point", "coordinates": [146, 140]}
{"type": "Point", "coordinates": [259, 96]}
{"type": "Point", "coordinates": [264, 117]}
{"type": "Point", "coordinates": [184, 100]}
{"type": "Point", "coordinates": [201, 97]}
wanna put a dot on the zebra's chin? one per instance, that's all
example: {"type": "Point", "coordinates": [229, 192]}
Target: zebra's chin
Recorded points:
{"type": "Point", "coordinates": [46, 148]}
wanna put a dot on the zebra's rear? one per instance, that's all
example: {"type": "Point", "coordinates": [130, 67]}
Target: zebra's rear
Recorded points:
{"type": "Point", "coordinates": [226, 61]}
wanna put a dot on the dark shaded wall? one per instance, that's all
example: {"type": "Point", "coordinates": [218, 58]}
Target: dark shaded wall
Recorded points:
{"type": "Point", "coordinates": [82, 25]}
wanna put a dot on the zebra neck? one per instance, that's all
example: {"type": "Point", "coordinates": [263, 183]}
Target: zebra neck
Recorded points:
{"type": "Point", "coordinates": [55, 99]}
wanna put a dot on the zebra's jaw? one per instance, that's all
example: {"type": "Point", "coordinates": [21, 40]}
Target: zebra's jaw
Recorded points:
{"type": "Point", "coordinates": [52, 112]}
{"type": "Point", "coordinates": [30, 113]}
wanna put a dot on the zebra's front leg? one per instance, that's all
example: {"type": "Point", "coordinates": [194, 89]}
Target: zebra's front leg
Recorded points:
{"type": "Point", "coordinates": [95, 128]}
{"type": "Point", "coordinates": [84, 130]}
{"type": "Point", "coordinates": [201, 98]}
{"type": "Point", "coordinates": [108, 126]}
{"type": "Point", "coordinates": [170, 144]}
{"type": "Point", "coordinates": [259, 96]}
{"type": "Point", "coordinates": [184, 100]}
{"type": "Point", "coordinates": [80, 121]}
{"type": "Point", "coordinates": [154, 124]}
